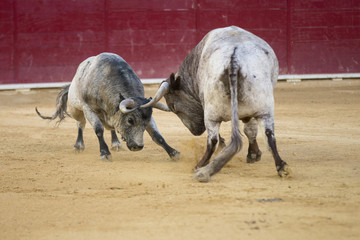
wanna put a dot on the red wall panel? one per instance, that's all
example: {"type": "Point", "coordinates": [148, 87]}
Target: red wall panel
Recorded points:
{"type": "Point", "coordinates": [53, 37]}
{"type": "Point", "coordinates": [324, 36]}
{"type": "Point", "coordinates": [325, 4]}
{"type": "Point", "coordinates": [44, 41]}
{"type": "Point", "coordinates": [152, 36]}
{"type": "Point", "coordinates": [7, 41]}
{"type": "Point", "coordinates": [266, 19]}
{"type": "Point", "coordinates": [116, 5]}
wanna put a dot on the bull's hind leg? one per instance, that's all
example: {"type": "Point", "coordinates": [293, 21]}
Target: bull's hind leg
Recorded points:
{"type": "Point", "coordinates": [115, 143]}
{"type": "Point", "coordinates": [158, 139]}
{"type": "Point", "coordinates": [212, 141]}
{"type": "Point", "coordinates": [221, 142]}
{"type": "Point", "coordinates": [203, 174]}
{"type": "Point", "coordinates": [281, 166]}
{"type": "Point", "coordinates": [81, 122]}
{"type": "Point", "coordinates": [251, 130]}
{"type": "Point", "coordinates": [79, 145]}
{"type": "Point", "coordinates": [99, 131]}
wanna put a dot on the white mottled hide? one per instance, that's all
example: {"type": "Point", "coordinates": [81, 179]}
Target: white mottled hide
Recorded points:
{"type": "Point", "coordinates": [259, 71]}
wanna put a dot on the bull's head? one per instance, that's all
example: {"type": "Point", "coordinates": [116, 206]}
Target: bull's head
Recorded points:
{"type": "Point", "coordinates": [132, 120]}
{"type": "Point", "coordinates": [181, 101]}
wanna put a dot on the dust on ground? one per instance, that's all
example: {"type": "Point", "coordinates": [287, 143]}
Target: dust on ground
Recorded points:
{"type": "Point", "coordinates": [48, 192]}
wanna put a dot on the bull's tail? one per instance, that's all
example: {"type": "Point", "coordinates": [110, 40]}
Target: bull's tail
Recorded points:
{"type": "Point", "coordinates": [234, 76]}
{"type": "Point", "coordinates": [235, 143]}
{"type": "Point", "coordinates": [61, 106]}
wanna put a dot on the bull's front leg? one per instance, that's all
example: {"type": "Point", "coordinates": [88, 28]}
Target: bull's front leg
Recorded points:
{"type": "Point", "coordinates": [99, 131]}
{"type": "Point", "coordinates": [158, 139]}
{"type": "Point", "coordinates": [251, 130]}
{"type": "Point", "coordinates": [115, 143]}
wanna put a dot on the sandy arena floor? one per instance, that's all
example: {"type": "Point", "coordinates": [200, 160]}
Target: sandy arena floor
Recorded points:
{"type": "Point", "coordinates": [48, 192]}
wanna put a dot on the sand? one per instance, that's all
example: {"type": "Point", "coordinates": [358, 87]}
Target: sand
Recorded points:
{"type": "Point", "coordinates": [49, 192]}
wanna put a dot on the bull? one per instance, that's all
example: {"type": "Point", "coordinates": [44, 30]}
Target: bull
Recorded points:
{"type": "Point", "coordinates": [106, 91]}
{"type": "Point", "coordinates": [229, 75]}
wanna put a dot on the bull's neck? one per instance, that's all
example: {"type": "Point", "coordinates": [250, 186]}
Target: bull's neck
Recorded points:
{"type": "Point", "coordinates": [191, 87]}
{"type": "Point", "coordinates": [188, 71]}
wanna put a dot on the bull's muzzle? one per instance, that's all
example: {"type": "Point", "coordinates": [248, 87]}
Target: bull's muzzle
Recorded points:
{"type": "Point", "coordinates": [134, 147]}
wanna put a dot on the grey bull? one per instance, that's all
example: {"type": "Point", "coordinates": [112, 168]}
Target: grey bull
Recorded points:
{"type": "Point", "coordinates": [106, 91]}
{"type": "Point", "coordinates": [229, 75]}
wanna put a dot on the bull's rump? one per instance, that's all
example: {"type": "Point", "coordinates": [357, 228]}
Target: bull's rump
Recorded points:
{"type": "Point", "coordinates": [258, 71]}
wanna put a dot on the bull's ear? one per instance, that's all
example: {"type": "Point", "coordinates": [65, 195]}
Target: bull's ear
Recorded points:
{"type": "Point", "coordinates": [172, 77]}
{"type": "Point", "coordinates": [175, 82]}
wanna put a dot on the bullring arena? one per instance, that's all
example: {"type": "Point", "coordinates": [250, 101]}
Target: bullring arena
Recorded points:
{"type": "Point", "coordinates": [49, 192]}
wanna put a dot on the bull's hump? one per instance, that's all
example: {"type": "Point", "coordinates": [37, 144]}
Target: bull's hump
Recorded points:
{"type": "Point", "coordinates": [110, 63]}
{"type": "Point", "coordinates": [107, 77]}
{"type": "Point", "coordinates": [117, 69]}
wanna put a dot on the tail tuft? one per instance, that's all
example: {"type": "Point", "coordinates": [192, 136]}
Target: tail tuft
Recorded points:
{"type": "Point", "coordinates": [61, 106]}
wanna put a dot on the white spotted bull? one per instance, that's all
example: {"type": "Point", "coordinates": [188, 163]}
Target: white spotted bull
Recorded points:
{"type": "Point", "coordinates": [106, 91]}
{"type": "Point", "coordinates": [229, 75]}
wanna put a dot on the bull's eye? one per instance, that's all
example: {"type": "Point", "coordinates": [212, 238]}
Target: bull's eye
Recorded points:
{"type": "Point", "coordinates": [131, 121]}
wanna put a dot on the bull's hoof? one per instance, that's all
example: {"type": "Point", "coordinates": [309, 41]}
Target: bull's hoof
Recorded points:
{"type": "Point", "coordinates": [202, 174]}
{"type": "Point", "coordinates": [116, 146]}
{"type": "Point", "coordinates": [175, 155]}
{"type": "Point", "coordinates": [106, 158]}
{"type": "Point", "coordinates": [78, 148]}
{"type": "Point", "coordinates": [284, 171]}
{"type": "Point", "coordinates": [253, 157]}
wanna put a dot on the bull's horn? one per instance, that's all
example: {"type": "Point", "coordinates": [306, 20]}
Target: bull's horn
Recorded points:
{"type": "Point", "coordinates": [163, 89]}
{"type": "Point", "coordinates": [161, 106]}
{"type": "Point", "coordinates": [126, 105]}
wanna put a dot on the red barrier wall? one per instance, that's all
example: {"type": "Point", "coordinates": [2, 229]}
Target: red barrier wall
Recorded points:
{"type": "Point", "coordinates": [44, 41]}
